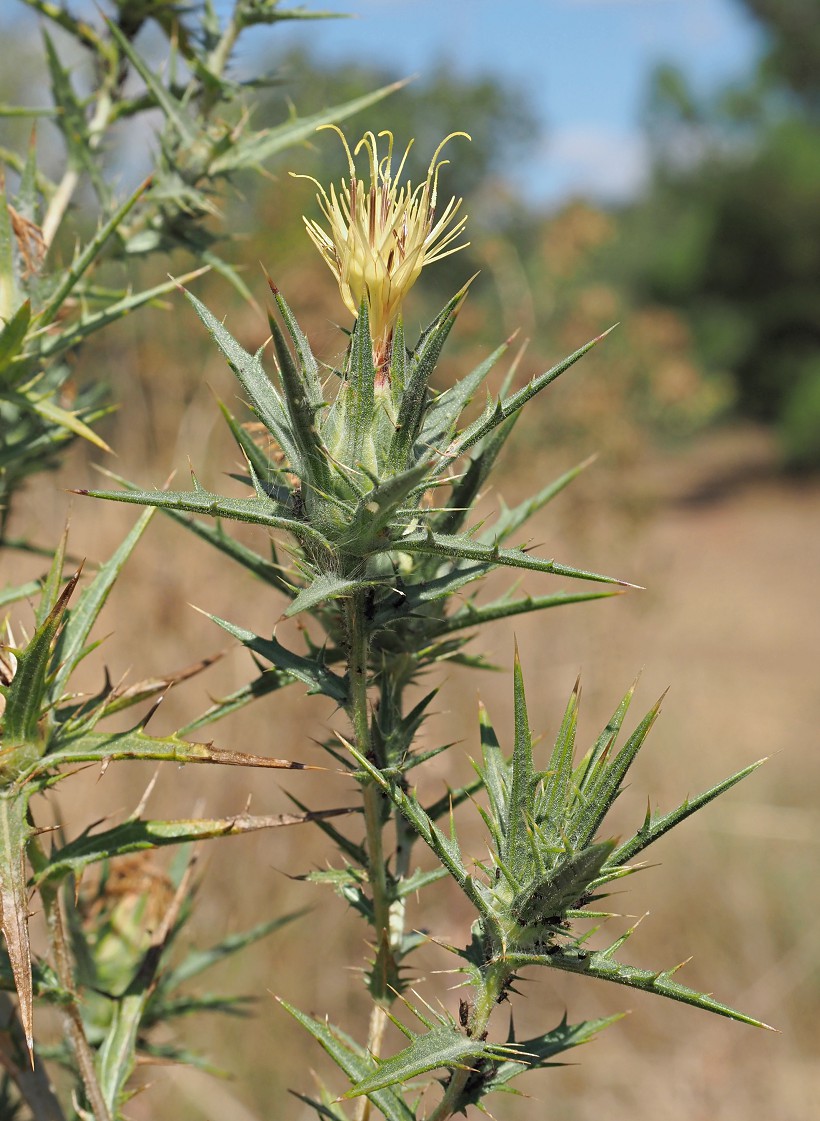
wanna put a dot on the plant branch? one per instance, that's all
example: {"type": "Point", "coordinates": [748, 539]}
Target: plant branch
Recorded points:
{"type": "Point", "coordinates": [376, 869]}
{"type": "Point", "coordinates": [494, 979]}
{"type": "Point", "coordinates": [71, 178]}
{"type": "Point", "coordinates": [75, 1029]}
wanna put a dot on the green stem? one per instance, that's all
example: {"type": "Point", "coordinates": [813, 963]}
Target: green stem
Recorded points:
{"type": "Point", "coordinates": [220, 55]}
{"type": "Point", "coordinates": [494, 980]}
{"type": "Point", "coordinates": [360, 718]}
{"type": "Point", "coordinates": [61, 198]}
{"type": "Point", "coordinates": [376, 870]}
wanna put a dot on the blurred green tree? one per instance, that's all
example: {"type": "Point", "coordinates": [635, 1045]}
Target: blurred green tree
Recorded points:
{"type": "Point", "coordinates": [730, 231]}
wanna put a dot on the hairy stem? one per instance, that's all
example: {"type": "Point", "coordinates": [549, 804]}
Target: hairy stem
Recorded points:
{"type": "Point", "coordinates": [495, 976]}
{"type": "Point", "coordinates": [359, 713]}
{"type": "Point", "coordinates": [75, 1029]}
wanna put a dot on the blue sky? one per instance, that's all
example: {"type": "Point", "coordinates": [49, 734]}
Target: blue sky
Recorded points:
{"type": "Point", "coordinates": [583, 65]}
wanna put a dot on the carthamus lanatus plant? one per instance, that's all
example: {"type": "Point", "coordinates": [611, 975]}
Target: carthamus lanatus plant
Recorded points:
{"type": "Point", "coordinates": [367, 481]}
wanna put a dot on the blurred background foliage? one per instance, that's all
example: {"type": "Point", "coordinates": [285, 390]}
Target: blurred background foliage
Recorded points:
{"type": "Point", "coordinates": [714, 270]}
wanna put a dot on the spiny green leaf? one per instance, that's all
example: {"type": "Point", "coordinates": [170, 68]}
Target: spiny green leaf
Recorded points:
{"type": "Point", "coordinates": [323, 588]}
{"type": "Point", "coordinates": [71, 119]}
{"type": "Point", "coordinates": [419, 880]}
{"type": "Point", "coordinates": [71, 334]}
{"type": "Point", "coordinates": [552, 803]}
{"type": "Point", "coordinates": [605, 968]}
{"type": "Point", "coordinates": [444, 409]}
{"type": "Point", "coordinates": [377, 507]}
{"type": "Point", "coordinates": [139, 836]}
{"type": "Point", "coordinates": [266, 402]}
{"type": "Point", "coordinates": [44, 406]}
{"type": "Point", "coordinates": [520, 803]}
{"type": "Point", "coordinates": [358, 390]}
{"type": "Point", "coordinates": [445, 848]}
{"type": "Point", "coordinates": [81, 617]}
{"type": "Point", "coordinates": [413, 405]}
{"type": "Point", "coordinates": [442, 1046]}
{"type": "Point", "coordinates": [258, 459]}
{"type": "Point", "coordinates": [399, 365]}
{"type": "Point", "coordinates": [467, 488]}
{"type": "Point", "coordinates": [99, 747]}
{"type": "Point", "coordinates": [308, 366]}
{"type": "Point", "coordinates": [411, 598]}
{"type": "Point", "coordinates": [534, 1053]}
{"type": "Point", "coordinates": [309, 670]}
{"type": "Point", "coordinates": [87, 256]}
{"type": "Point", "coordinates": [461, 546]}
{"type": "Point", "coordinates": [588, 769]}
{"type": "Point", "coordinates": [652, 829]}
{"type": "Point", "coordinates": [353, 1060]}
{"type": "Point", "coordinates": [302, 412]}
{"type": "Point", "coordinates": [13, 333]}
{"type": "Point", "coordinates": [51, 586]}
{"type": "Point", "coordinates": [492, 418]}
{"type": "Point", "coordinates": [471, 615]}
{"type": "Point", "coordinates": [215, 535]}
{"type": "Point", "coordinates": [257, 511]}
{"type": "Point", "coordinates": [171, 108]}
{"type": "Point", "coordinates": [602, 790]}
{"type": "Point", "coordinates": [494, 772]}
{"type": "Point", "coordinates": [547, 898]}
{"type": "Point", "coordinates": [27, 692]}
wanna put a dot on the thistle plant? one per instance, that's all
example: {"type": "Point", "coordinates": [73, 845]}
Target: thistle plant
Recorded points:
{"type": "Point", "coordinates": [367, 484]}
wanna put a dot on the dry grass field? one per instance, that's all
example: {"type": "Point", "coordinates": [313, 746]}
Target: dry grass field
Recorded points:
{"type": "Point", "coordinates": [729, 553]}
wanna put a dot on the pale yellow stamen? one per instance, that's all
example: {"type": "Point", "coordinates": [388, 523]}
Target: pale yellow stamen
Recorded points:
{"type": "Point", "coordinates": [379, 239]}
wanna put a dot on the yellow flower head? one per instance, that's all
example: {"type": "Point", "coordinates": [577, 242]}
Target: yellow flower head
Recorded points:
{"type": "Point", "coordinates": [381, 237]}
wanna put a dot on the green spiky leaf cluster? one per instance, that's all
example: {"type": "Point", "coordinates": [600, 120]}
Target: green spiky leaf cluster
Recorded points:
{"type": "Point", "coordinates": [52, 296]}
{"type": "Point", "coordinates": [374, 478]}
{"type": "Point", "coordinates": [545, 880]}
{"type": "Point", "coordinates": [46, 731]}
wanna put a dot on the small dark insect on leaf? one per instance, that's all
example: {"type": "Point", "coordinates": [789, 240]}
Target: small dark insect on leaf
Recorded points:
{"type": "Point", "coordinates": [463, 1012]}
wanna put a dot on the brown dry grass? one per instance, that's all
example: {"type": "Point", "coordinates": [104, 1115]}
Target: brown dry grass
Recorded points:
{"type": "Point", "coordinates": [729, 620]}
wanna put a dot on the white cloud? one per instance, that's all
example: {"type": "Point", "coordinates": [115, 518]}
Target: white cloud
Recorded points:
{"type": "Point", "coordinates": [604, 164]}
